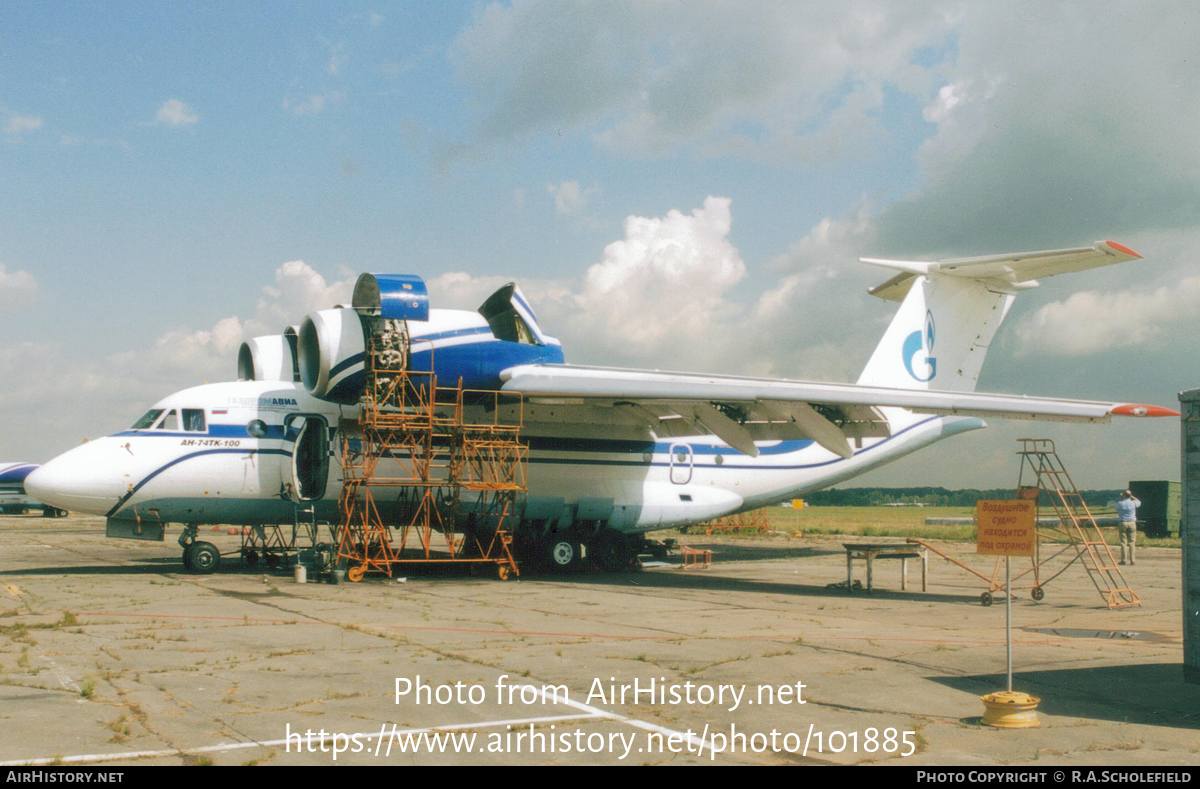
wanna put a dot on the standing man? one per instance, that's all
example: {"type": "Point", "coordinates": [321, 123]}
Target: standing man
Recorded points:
{"type": "Point", "coordinates": [1127, 514]}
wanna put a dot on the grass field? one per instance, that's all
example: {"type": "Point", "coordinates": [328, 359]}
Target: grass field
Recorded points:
{"type": "Point", "coordinates": [902, 522]}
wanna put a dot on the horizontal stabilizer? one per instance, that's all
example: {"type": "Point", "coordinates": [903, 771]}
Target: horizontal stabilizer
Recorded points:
{"type": "Point", "coordinates": [1009, 272]}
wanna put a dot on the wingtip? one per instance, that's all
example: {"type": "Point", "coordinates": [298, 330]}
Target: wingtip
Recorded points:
{"type": "Point", "coordinates": [1137, 409]}
{"type": "Point", "coordinates": [1124, 250]}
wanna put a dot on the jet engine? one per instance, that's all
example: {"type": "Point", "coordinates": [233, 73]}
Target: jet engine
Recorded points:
{"type": "Point", "coordinates": [332, 343]}
{"type": "Point", "coordinates": [269, 358]}
{"type": "Point", "coordinates": [331, 348]}
{"type": "Point", "coordinates": [457, 345]}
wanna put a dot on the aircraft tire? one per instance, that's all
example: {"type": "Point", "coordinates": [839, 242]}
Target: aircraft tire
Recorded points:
{"type": "Point", "coordinates": [205, 558]}
{"type": "Point", "coordinates": [562, 555]}
{"type": "Point", "coordinates": [187, 558]}
{"type": "Point", "coordinates": [611, 551]}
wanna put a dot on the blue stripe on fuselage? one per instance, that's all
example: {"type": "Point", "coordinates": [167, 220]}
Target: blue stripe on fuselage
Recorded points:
{"type": "Point", "coordinates": [17, 473]}
{"type": "Point", "coordinates": [610, 446]}
{"type": "Point", "coordinates": [214, 431]}
{"type": "Point", "coordinates": [607, 445]}
{"type": "Point", "coordinates": [442, 335]}
{"type": "Point", "coordinates": [181, 459]}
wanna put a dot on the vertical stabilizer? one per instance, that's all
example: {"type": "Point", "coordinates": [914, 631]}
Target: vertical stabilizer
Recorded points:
{"type": "Point", "coordinates": [940, 335]}
{"type": "Point", "coordinates": [950, 311]}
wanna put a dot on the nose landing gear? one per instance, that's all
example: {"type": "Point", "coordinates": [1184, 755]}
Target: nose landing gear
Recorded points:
{"type": "Point", "coordinates": [199, 557]}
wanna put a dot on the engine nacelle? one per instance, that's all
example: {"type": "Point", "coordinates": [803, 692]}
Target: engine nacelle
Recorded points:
{"type": "Point", "coordinates": [270, 358]}
{"type": "Point", "coordinates": [459, 346]}
{"type": "Point", "coordinates": [331, 347]}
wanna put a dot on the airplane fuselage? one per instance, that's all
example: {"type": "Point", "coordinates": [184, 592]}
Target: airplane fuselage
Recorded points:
{"type": "Point", "coordinates": [257, 452]}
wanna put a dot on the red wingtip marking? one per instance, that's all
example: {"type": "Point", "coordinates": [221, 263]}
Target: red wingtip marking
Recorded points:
{"type": "Point", "coordinates": [1122, 248]}
{"type": "Point", "coordinates": [1133, 409]}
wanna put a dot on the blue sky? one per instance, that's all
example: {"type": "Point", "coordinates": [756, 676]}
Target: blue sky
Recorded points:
{"type": "Point", "coordinates": [178, 177]}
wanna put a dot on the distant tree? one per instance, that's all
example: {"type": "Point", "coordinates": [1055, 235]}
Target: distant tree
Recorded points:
{"type": "Point", "coordinates": [936, 497]}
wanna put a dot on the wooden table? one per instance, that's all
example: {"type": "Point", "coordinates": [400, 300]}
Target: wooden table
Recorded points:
{"type": "Point", "coordinates": [885, 550]}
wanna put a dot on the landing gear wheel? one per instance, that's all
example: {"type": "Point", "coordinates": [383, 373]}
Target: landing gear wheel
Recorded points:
{"type": "Point", "coordinates": [1038, 593]}
{"type": "Point", "coordinates": [187, 558]}
{"type": "Point", "coordinates": [985, 599]}
{"type": "Point", "coordinates": [204, 558]}
{"type": "Point", "coordinates": [610, 550]}
{"type": "Point", "coordinates": [355, 574]}
{"type": "Point", "coordinates": [251, 558]}
{"type": "Point", "coordinates": [562, 555]}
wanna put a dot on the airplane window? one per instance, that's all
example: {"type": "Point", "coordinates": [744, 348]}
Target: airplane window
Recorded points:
{"type": "Point", "coordinates": [169, 422]}
{"type": "Point", "coordinates": [147, 419]}
{"type": "Point", "coordinates": [193, 419]}
{"type": "Point", "coordinates": [257, 428]}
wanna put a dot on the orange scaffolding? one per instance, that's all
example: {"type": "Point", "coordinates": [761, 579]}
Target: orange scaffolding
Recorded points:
{"type": "Point", "coordinates": [440, 466]}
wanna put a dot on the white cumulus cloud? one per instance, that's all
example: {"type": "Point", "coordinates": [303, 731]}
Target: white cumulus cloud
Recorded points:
{"type": "Point", "coordinates": [664, 281]}
{"type": "Point", "coordinates": [175, 113]}
{"type": "Point", "coordinates": [569, 198]}
{"type": "Point", "coordinates": [18, 290]}
{"type": "Point", "coordinates": [758, 79]}
{"type": "Point", "coordinates": [17, 125]}
{"type": "Point", "coordinates": [1092, 321]}
{"type": "Point", "coordinates": [669, 294]}
{"type": "Point", "coordinates": [298, 290]}
{"type": "Point", "coordinates": [314, 104]}
{"type": "Point", "coordinates": [46, 380]}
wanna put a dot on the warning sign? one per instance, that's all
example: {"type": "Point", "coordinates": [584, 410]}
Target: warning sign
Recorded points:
{"type": "Point", "coordinates": [1006, 528]}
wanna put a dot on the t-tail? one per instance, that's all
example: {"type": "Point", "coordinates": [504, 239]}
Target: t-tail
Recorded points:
{"type": "Point", "coordinates": [950, 311]}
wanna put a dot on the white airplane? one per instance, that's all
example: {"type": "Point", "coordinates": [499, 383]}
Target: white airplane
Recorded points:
{"type": "Point", "coordinates": [614, 453]}
{"type": "Point", "coordinates": [13, 500]}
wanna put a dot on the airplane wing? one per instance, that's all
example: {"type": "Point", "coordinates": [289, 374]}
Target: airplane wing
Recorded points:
{"type": "Point", "coordinates": [740, 411]}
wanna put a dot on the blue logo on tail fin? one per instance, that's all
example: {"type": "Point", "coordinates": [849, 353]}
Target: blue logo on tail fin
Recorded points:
{"type": "Point", "coordinates": [921, 340]}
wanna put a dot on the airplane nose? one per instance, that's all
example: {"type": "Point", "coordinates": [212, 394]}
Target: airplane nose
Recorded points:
{"type": "Point", "coordinates": [70, 482]}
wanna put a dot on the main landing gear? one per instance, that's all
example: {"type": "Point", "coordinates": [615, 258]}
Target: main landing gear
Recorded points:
{"type": "Point", "coordinates": [612, 551]}
{"type": "Point", "coordinates": [568, 551]}
{"type": "Point", "coordinates": [562, 554]}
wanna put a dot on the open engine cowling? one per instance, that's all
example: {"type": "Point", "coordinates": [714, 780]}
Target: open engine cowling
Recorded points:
{"type": "Point", "coordinates": [269, 358]}
{"type": "Point", "coordinates": [459, 346]}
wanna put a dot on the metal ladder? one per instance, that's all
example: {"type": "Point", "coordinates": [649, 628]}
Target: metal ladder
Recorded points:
{"type": "Point", "coordinates": [1075, 519]}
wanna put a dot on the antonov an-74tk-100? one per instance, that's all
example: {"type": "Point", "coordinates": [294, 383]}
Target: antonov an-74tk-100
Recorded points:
{"type": "Point", "coordinates": [613, 453]}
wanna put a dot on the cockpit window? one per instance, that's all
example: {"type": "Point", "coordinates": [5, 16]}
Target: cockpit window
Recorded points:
{"type": "Point", "coordinates": [169, 422]}
{"type": "Point", "coordinates": [193, 420]}
{"type": "Point", "coordinates": [147, 419]}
